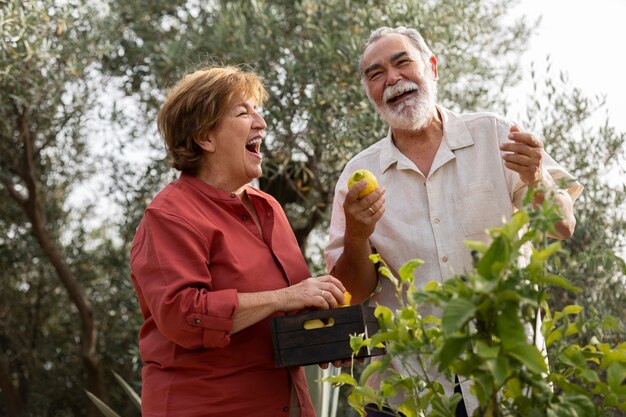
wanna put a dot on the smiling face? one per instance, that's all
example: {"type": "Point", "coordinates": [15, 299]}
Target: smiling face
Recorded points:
{"type": "Point", "coordinates": [232, 148]}
{"type": "Point", "coordinates": [400, 82]}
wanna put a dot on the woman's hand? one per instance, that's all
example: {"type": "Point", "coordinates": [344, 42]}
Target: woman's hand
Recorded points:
{"type": "Point", "coordinates": [321, 292]}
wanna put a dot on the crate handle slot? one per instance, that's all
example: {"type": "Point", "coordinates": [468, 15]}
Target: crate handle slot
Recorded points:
{"type": "Point", "coordinates": [318, 323]}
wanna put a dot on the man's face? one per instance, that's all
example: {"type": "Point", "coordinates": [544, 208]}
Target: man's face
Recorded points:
{"type": "Point", "coordinates": [399, 82]}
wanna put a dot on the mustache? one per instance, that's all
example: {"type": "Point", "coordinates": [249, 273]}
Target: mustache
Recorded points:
{"type": "Point", "coordinates": [398, 88]}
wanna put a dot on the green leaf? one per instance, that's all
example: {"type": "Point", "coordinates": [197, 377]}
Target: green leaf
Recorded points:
{"type": "Point", "coordinates": [549, 251]}
{"type": "Point", "coordinates": [386, 272]}
{"type": "Point", "coordinates": [590, 375]}
{"type": "Point", "coordinates": [513, 388]}
{"type": "Point", "coordinates": [513, 226]}
{"type": "Point", "coordinates": [494, 259]}
{"type": "Point", "coordinates": [406, 270]}
{"type": "Point", "coordinates": [384, 313]}
{"type": "Point", "coordinates": [432, 286]}
{"type": "Point", "coordinates": [485, 351]}
{"type": "Point", "coordinates": [477, 245]}
{"type": "Point", "coordinates": [572, 328]}
{"type": "Point", "coordinates": [356, 342]}
{"type": "Point", "coordinates": [455, 315]}
{"type": "Point", "coordinates": [615, 375]}
{"type": "Point", "coordinates": [554, 336]}
{"type": "Point", "coordinates": [510, 329]}
{"type": "Point", "coordinates": [573, 357]}
{"type": "Point", "coordinates": [572, 406]}
{"type": "Point", "coordinates": [452, 348]}
{"type": "Point", "coordinates": [369, 370]}
{"type": "Point", "coordinates": [341, 379]}
{"type": "Point", "coordinates": [610, 323]}
{"type": "Point", "coordinates": [530, 357]}
{"type": "Point", "coordinates": [375, 258]}
{"type": "Point", "coordinates": [557, 281]}
{"type": "Point", "coordinates": [572, 309]}
{"type": "Point", "coordinates": [499, 368]}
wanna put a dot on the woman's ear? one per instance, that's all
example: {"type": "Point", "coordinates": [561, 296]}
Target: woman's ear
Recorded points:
{"type": "Point", "coordinates": [205, 142]}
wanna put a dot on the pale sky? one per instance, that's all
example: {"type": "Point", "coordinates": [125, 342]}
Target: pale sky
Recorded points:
{"type": "Point", "coordinates": [586, 39]}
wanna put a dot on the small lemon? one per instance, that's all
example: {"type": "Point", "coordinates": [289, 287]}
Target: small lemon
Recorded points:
{"type": "Point", "coordinates": [313, 324]}
{"type": "Point", "coordinates": [347, 297]}
{"type": "Point", "coordinates": [363, 174]}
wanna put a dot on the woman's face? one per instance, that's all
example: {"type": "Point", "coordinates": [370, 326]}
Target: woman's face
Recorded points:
{"type": "Point", "coordinates": [237, 140]}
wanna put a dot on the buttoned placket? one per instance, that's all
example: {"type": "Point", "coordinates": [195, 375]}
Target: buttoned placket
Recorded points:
{"type": "Point", "coordinates": [436, 203]}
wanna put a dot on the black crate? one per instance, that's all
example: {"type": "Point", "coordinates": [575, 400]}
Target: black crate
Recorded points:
{"type": "Point", "coordinates": [294, 345]}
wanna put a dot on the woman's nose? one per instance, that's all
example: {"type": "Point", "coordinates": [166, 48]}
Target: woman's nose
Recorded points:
{"type": "Point", "coordinates": [259, 122]}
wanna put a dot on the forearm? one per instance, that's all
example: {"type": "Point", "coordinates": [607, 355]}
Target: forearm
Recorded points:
{"type": "Point", "coordinates": [356, 271]}
{"type": "Point", "coordinates": [254, 307]}
{"type": "Point", "coordinates": [565, 227]}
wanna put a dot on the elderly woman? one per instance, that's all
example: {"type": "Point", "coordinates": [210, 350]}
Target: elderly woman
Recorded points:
{"type": "Point", "coordinates": [214, 259]}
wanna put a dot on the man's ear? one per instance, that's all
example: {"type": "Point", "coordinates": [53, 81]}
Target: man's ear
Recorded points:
{"type": "Point", "coordinates": [433, 63]}
{"type": "Point", "coordinates": [205, 142]}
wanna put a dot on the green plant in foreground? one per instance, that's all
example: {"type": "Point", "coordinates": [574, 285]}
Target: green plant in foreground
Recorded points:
{"type": "Point", "coordinates": [105, 409]}
{"type": "Point", "coordinates": [487, 333]}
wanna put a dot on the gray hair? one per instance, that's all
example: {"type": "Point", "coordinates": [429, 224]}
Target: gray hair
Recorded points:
{"type": "Point", "coordinates": [412, 34]}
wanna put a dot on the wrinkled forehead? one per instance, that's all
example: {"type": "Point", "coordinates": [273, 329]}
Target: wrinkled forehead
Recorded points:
{"type": "Point", "coordinates": [385, 49]}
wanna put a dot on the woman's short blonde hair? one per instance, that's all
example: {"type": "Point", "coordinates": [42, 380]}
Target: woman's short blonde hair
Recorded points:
{"type": "Point", "coordinates": [196, 105]}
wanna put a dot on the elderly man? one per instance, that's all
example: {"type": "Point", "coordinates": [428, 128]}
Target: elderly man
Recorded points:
{"type": "Point", "coordinates": [445, 178]}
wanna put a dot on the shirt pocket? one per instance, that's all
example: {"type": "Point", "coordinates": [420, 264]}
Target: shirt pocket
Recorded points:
{"type": "Point", "coordinates": [477, 208]}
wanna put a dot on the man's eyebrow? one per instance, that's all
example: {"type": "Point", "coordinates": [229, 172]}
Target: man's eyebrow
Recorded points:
{"type": "Point", "coordinates": [393, 58]}
{"type": "Point", "coordinates": [371, 68]}
{"type": "Point", "coordinates": [398, 55]}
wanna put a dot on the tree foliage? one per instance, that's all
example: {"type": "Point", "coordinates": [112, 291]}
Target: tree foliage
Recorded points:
{"type": "Point", "coordinates": [67, 307]}
{"type": "Point", "coordinates": [53, 279]}
{"type": "Point", "coordinates": [579, 136]}
{"type": "Point", "coordinates": [307, 52]}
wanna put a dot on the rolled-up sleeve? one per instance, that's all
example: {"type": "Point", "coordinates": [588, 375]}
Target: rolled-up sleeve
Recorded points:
{"type": "Point", "coordinates": [170, 265]}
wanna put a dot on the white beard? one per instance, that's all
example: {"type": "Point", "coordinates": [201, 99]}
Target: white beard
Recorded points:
{"type": "Point", "coordinates": [414, 113]}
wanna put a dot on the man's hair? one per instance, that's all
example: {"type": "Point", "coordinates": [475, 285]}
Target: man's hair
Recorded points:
{"type": "Point", "coordinates": [195, 106]}
{"type": "Point", "coordinates": [412, 34]}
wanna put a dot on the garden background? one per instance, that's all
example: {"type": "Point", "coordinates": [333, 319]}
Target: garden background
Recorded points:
{"type": "Point", "coordinates": [80, 158]}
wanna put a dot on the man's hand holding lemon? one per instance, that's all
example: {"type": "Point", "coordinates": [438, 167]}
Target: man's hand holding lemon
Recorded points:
{"type": "Point", "coordinates": [364, 204]}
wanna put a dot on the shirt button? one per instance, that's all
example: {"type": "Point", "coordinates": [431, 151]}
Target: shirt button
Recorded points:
{"type": "Point", "coordinates": [244, 218]}
{"type": "Point", "coordinates": [445, 259]}
{"type": "Point", "coordinates": [285, 409]}
{"type": "Point", "coordinates": [436, 220]}
{"type": "Point", "coordinates": [233, 195]}
{"type": "Point", "coordinates": [196, 322]}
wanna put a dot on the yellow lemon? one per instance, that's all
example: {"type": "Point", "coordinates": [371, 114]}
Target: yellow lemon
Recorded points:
{"type": "Point", "coordinates": [314, 324]}
{"type": "Point", "coordinates": [347, 297]}
{"type": "Point", "coordinates": [363, 174]}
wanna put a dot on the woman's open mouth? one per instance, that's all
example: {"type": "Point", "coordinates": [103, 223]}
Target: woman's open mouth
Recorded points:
{"type": "Point", "coordinates": [254, 146]}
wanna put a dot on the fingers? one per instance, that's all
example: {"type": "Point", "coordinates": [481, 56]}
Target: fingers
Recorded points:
{"type": "Point", "coordinates": [523, 155]}
{"type": "Point", "coordinates": [339, 363]}
{"type": "Point", "coordinates": [362, 215]}
{"type": "Point", "coordinates": [322, 292]}
{"type": "Point", "coordinates": [524, 138]}
{"type": "Point", "coordinates": [331, 291]}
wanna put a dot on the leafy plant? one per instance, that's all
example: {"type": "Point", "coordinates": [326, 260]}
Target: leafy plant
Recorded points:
{"type": "Point", "coordinates": [487, 334]}
{"type": "Point", "coordinates": [128, 390]}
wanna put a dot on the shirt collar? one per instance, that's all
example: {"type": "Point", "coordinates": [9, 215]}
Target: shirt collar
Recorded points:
{"type": "Point", "coordinates": [212, 192]}
{"type": "Point", "coordinates": [455, 136]}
